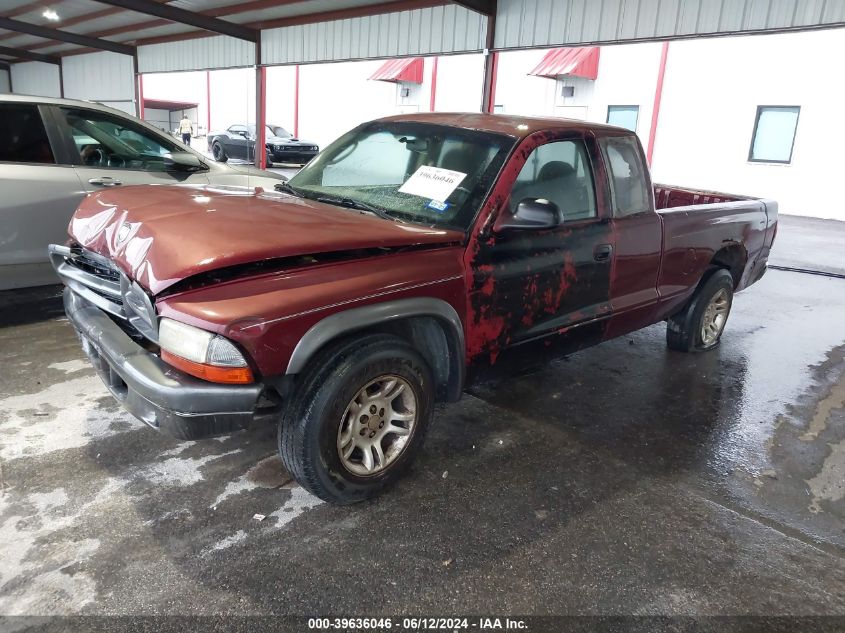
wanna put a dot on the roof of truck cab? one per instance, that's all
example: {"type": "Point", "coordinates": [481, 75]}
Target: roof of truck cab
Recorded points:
{"type": "Point", "coordinates": [510, 124]}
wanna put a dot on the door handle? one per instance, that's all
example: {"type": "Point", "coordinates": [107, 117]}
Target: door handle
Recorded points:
{"type": "Point", "coordinates": [602, 252]}
{"type": "Point", "coordinates": [104, 181]}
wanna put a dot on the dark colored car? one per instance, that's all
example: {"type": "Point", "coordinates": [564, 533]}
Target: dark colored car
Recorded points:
{"type": "Point", "coordinates": [415, 255]}
{"type": "Point", "coordinates": [238, 141]}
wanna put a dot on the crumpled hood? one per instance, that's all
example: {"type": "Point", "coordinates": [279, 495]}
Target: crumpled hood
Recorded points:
{"type": "Point", "coordinates": [161, 234]}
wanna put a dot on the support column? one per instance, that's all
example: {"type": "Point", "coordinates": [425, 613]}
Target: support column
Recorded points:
{"type": "Point", "coordinates": [208, 102]}
{"type": "Point", "coordinates": [260, 157]}
{"type": "Point", "coordinates": [140, 97]}
{"type": "Point", "coordinates": [139, 88]}
{"type": "Point", "coordinates": [296, 101]}
{"type": "Point", "coordinates": [658, 96]}
{"type": "Point", "coordinates": [491, 58]}
{"type": "Point", "coordinates": [433, 98]}
{"type": "Point", "coordinates": [61, 79]}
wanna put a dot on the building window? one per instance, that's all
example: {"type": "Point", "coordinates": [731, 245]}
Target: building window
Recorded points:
{"type": "Point", "coordinates": [623, 116]}
{"type": "Point", "coordinates": [774, 134]}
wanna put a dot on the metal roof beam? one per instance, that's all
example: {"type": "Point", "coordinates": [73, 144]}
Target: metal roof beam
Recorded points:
{"type": "Point", "coordinates": [367, 10]}
{"type": "Point", "coordinates": [65, 36]}
{"type": "Point", "coordinates": [190, 18]}
{"type": "Point", "coordinates": [69, 22]}
{"type": "Point", "coordinates": [28, 55]}
{"type": "Point", "coordinates": [484, 7]}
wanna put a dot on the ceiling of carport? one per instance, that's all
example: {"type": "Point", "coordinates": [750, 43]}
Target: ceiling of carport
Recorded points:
{"type": "Point", "coordinates": [116, 24]}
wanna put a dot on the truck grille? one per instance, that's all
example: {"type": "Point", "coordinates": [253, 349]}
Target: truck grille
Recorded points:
{"type": "Point", "coordinates": [103, 270]}
{"type": "Point", "coordinates": [97, 279]}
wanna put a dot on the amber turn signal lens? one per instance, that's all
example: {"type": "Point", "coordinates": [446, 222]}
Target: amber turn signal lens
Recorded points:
{"type": "Point", "coordinates": [225, 375]}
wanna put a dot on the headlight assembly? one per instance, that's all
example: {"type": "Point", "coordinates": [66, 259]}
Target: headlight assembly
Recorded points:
{"type": "Point", "coordinates": [202, 354]}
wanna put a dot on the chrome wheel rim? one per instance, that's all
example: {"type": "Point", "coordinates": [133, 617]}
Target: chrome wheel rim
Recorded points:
{"type": "Point", "coordinates": [715, 316]}
{"type": "Point", "coordinates": [377, 425]}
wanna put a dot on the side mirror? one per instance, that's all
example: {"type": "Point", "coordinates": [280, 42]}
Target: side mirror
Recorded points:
{"type": "Point", "coordinates": [182, 161]}
{"type": "Point", "coordinates": [533, 213]}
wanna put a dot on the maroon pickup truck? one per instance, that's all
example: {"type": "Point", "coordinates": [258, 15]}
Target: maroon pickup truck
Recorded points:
{"type": "Point", "coordinates": [411, 257]}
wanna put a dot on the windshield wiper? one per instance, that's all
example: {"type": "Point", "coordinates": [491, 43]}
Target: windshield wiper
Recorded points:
{"type": "Point", "coordinates": [349, 203]}
{"type": "Point", "coordinates": [284, 187]}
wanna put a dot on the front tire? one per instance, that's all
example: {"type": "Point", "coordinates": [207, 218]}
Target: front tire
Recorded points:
{"type": "Point", "coordinates": [358, 418]}
{"type": "Point", "coordinates": [699, 326]}
{"type": "Point", "coordinates": [218, 152]}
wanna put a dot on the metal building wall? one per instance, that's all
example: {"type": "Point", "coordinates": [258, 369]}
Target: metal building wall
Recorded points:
{"type": "Point", "coordinates": [104, 77]}
{"type": "Point", "coordinates": [443, 29]}
{"type": "Point", "coordinates": [200, 54]}
{"type": "Point", "coordinates": [36, 78]}
{"type": "Point", "coordinates": [4, 81]}
{"type": "Point", "coordinates": [527, 23]}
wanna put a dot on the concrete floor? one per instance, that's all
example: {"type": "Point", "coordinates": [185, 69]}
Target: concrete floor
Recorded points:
{"type": "Point", "coordinates": [627, 479]}
{"type": "Point", "coordinates": [810, 244]}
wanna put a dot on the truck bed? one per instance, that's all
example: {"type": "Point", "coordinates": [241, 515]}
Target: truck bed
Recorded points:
{"type": "Point", "coordinates": [667, 197]}
{"type": "Point", "coordinates": [699, 226]}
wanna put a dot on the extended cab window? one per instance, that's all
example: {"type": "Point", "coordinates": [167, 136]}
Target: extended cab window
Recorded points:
{"type": "Point", "coordinates": [103, 140]}
{"type": "Point", "coordinates": [23, 138]}
{"type": "Point", "coordinates": [558, 172]}
{"type": "Point", "coordinates": [627, 176]}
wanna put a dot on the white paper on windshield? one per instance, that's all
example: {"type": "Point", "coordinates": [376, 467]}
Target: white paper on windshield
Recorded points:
{"type": "Point", "coordinates": [433, 183]}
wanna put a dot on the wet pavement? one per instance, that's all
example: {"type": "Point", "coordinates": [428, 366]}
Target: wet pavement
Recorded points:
{"type": "Point", "coordinates": [626, 479]}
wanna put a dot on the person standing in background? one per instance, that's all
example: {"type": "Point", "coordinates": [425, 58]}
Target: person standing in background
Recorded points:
{"type": "Point", "coordinates": [186, 128]}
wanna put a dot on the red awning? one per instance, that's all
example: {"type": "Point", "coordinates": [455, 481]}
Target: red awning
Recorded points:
{"type": "Point", "coordinates": [408, 69]}
{"type": "Point", "coordinates": [172, 106]}
{"type": "Point", "coordinates": [574, 62]}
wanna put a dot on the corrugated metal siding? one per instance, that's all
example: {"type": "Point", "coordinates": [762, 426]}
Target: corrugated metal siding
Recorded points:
{"type": "Point", "coordinates": [526, 23]}
{"type": "Point", "coordinates": [35, 78]}
{"type": "Point", "coordinates": [200, 54]}
{"type": "Point", "coordinates": [99, 77]}
{"type": "Point", "coordinates": [444, 29]}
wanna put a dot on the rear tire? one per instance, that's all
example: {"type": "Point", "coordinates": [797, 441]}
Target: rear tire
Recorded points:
{"type": "Point", "coordinates": [218, 152]}
{"type": "Point", "coordinates": [699, 326]}
{"type": "Point", "coordinates": [374, 394]}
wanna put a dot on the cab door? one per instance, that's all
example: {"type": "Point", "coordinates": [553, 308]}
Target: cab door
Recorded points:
{"type": "Point", "coordinates": [551, 285]}
{"type": "Point", "coordinates": [112, 151]}
{"type": "Point", "coordinates": [638, 235]}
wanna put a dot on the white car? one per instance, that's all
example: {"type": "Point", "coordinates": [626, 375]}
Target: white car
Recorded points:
{"type": "Point", "coordinates": [53, 152]}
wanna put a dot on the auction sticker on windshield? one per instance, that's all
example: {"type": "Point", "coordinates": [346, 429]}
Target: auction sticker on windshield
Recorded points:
{"type": "Point", "coordinates": [434, 183]}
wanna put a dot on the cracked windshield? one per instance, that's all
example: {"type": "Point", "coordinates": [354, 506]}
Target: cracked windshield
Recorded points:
{"type": "Point", "coordinates": [410, 172]}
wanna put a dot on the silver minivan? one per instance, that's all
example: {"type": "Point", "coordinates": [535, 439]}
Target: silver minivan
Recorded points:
{"type": "Point", "coordinates": [55, 151]}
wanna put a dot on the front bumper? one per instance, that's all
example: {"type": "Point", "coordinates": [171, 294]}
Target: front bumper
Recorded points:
{"type": "Point", "coordinates": [291, 156]}
{"type": "Point", "coordinates": [151, 390]}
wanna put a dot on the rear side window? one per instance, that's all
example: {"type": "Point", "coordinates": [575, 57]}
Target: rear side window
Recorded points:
{"type": "Point", "coordinates": [23, 138]}
{"type": "Point", "coordinates": [631, 194]}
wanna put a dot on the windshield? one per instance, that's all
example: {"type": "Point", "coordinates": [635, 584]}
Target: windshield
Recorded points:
{"type": "Point", "coordinates": [414, 172]}
{"type": "Point", "coordinates": [271, 130]}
